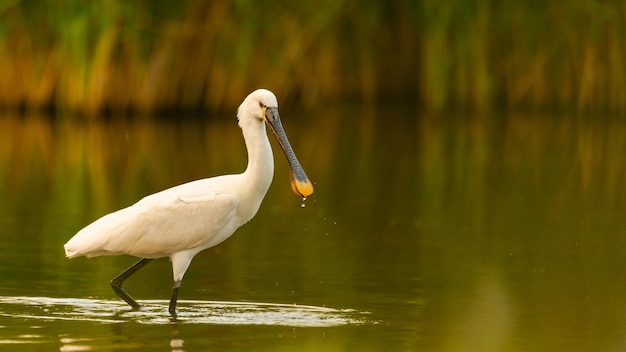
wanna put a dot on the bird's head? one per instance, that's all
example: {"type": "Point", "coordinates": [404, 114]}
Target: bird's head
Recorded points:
{"type": "Point", "coordinates": [263, 105]}
{"type": "Point", "coordinates": [256, 104]}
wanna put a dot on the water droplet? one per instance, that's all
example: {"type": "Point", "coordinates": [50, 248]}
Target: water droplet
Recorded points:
{"type": "Point", "coordinates": [303, 200]}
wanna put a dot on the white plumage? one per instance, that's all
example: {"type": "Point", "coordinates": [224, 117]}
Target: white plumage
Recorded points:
{"type": "Point", "coordinates": [183, 220]}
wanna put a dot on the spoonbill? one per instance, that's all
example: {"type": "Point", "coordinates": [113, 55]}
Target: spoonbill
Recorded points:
{"type": "Point", "coordinates": [181, 221]}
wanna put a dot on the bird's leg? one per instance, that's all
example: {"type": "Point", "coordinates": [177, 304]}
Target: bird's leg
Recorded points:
{"type": "Point", "coordinates": [118, 281]}
{"type": "Point", "coordinates": [174, 298]}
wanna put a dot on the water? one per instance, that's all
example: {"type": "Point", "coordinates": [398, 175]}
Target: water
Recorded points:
{"type": "Point", "coordinates": [429, 233]}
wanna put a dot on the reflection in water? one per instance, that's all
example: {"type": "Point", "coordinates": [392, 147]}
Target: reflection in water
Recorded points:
{"type": "Point", "coordinates": [192, 312]}
{"type": "Point", "coordinates": [485, 322]}
{"type": "Point", "coordinates": [503, 233]}
{"type": "Point", "coordinates": [69, 344]}
{"type": "Point", "coordinates": [154, 312]}
{"type": "Point", "coordinates": [176, 343]}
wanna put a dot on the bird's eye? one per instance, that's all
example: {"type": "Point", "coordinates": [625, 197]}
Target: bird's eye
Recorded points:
{"type": "Point", "coordinates": [261, 105]}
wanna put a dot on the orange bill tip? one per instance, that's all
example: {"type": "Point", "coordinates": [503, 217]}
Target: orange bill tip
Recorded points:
{"type": "Point", "coordinates": [302, 188]}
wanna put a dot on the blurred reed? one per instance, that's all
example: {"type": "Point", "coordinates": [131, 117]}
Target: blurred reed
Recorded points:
{"type": "Point", "coordinates": [147, 56]}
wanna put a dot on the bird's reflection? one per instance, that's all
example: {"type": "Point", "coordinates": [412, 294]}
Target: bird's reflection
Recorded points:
{"type": "Point", "coordinates": [176, 342]}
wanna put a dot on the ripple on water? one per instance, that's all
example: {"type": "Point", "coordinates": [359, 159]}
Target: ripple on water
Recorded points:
{"type": "Point", "coordinates": [190, 312]}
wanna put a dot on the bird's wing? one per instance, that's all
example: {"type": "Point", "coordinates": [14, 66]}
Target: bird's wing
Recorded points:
{"type": "Point", "coordinates": [167, 222]}
{"type": "Point", "coordinates": [183, 222]}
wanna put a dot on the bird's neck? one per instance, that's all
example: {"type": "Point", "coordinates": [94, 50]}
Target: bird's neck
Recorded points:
{"type": "Point", "coordinates": [260, 170]}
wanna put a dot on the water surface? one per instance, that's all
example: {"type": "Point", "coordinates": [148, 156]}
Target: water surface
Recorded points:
{"type": "Point", "coordinates": [429, 233]}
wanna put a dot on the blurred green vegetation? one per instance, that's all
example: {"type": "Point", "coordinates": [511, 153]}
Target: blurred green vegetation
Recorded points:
{"type": "Point", "coordinates": [118, 56]}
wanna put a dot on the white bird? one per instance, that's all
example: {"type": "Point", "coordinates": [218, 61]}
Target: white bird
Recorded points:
{"type": "Point", "coordinates": [181, 221]}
